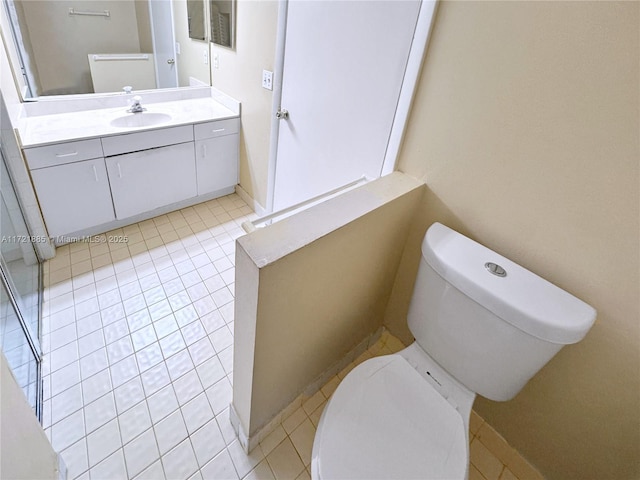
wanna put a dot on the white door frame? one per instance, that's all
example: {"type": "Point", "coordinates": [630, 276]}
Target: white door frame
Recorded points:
{"type": "Point", "coordinates": [419, 44]}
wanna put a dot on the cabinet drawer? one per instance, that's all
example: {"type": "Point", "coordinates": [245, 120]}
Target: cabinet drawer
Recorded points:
{"type": "Point", "coordinates": [134, 142]}
{"type": "Point", "coordinates": [217, 128]}
{"type": "Point", "coordinates": [62, 153]}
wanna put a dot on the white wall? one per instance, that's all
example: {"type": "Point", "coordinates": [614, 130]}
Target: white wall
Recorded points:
{"type": "Point", "coordinates": [25, 451]}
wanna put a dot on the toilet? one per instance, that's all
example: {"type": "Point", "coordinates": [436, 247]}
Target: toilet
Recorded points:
{"type": "Point", "coordinates": [482, 325]}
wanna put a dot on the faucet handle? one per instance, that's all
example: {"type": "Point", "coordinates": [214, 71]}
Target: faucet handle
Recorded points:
{"type": "Point", "coordinates": [127, 89]}
{"type": "Point", "coordinates": [137, 99]}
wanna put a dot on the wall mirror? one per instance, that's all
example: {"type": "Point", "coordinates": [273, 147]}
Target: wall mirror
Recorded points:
{"type": "Point", "coordinates": [84, 47]}
{"type": "Point", "coordinates": [196, 19]}
{"type": "Point", "coordinates": [222, 21]}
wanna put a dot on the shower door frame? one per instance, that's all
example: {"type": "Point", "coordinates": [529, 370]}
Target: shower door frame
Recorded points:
{"type": "Point", "coordinates": [11, 289]}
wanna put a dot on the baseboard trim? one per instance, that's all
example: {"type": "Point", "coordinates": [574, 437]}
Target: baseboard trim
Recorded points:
{"type": "Point", "coordinates": [248, 199]}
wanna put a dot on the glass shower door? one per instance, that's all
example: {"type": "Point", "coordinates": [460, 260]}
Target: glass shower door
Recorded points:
{"type": "Point", "coordinates": [20, 292]}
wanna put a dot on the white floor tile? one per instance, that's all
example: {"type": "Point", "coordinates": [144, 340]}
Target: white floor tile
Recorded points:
{"type": "Point", "coordinates": [64, 378]}
{"type": "Point", "coordinates": [149, 357]}
{"type": "Point", "coordinates": [119, 349]}
{"type": "Point", "coordinates": [113, 467]}
{"type": "Point", "coordinates": [99, 412]}
{"type": "Point", "coordinates": [210, 372]}
{"type": "Point", "coordinates": [96, 386]}
{"type": "Point", "coordinates": [261, 472]}
{"type": "Point", "coordinates": [152, 472]}
{"type": "Point", "coordinates": [143, 337]}
{"type": "Point", "coordinates": [179, 364]}
{"type": "Point", "coordinates": [172, 344]}
{"type": "Point", "coordinates": [129, 394]}
{"type": "Point", "coordinates": [207, 442]}
{"type": "Point", "coordinates": [67, 431]}
{"type": "Point", "coordinates": [162, 403]}
{"type": "Point", "coordinates": [89, 324]}
{"type": "Point", "coordinates": [155, 378]}
{"type": "Point", "coordinates": [197, 412]}
{"type": "Point", "coordinates": [221, 467]}
{"type": "Point", "coordinates": [119, 335]}
{"type": "Point", "coordinates": [123, 371]}
{"type": "Point", "coordinates": [65, 403]}
{"type": "Point", "coordinates": [201, 351]}
{"type": "Point", "coordinates": [116, 330]}
{"type": "Point", "coordinates": [170, 432]}
{"type": "Point", "coordinates": [103, 442]}
{"type": "Point", "coordinates": [180, 463]}
{"type": "Point", "coordinates": [141, 452]}
{"type": "Point", "coordinates": [138, 320]}
{"type": "Point", "coordinates": [91, 342]}
{"type": "Point", "coordinates": [93, 363]}
{"type": "Point", "coordinates": [76, 459]}
{"type": "Point", "coordinates": [63, 356]}
{"type": "Point", "coordinates": [244, 463]}
{"type": "Point", "coordinates": [219, 395]}
{"type": "Point", "coordinates": [187, 387]}
{"type": "Point", "coordinates": [134, 421]}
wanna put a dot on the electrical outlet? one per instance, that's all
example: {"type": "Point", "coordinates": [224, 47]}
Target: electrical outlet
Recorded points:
{"type": "Point", "coordinates": [267, 79]}
{"type": "Point", "coordinates": [205, 57]}
{"type": "Point", "coordinates": [216, 61]}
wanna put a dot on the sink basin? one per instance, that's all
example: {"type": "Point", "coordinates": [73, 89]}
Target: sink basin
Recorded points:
{"type": "Point", "coordinates": [144, 119]}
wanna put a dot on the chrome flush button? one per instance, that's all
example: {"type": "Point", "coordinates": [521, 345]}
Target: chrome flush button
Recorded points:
{"type": "Point", "coordinates": [495, 269]}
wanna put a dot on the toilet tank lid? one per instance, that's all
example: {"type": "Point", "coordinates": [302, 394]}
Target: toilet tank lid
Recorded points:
{"type": "Point", "coordinates": [521, 298]}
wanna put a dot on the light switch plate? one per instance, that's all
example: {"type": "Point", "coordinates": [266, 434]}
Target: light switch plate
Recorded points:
{"type": "Point", "coordinates": [267, 79]}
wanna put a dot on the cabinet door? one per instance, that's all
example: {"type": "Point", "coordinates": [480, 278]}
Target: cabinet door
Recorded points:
{"type": "Point", "coordinates": [143, 181]}
{"type": "Point", "coordinates": [217, 163]}
{"type": "Point", "coordinates": [74, 196]}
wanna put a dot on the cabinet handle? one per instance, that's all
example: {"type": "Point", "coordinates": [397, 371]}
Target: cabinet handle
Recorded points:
{"type": "Point", "coordinates": [218, 130]}
{"type": "Point", "coordinates": [62, 155]}
{"type": "Point", "coordinates": [204, 150]}
{"type": "Point", "coordinates": [95, 172]}
{"type": "Point", "coordinates": [119, 171]}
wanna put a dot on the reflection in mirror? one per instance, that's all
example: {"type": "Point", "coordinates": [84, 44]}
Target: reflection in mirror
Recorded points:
{"type": "Point", "coordinates": [222, 22]}
{"type": "Point", "coordinates": [88, 46]}
{"type": "Point", "coordinates": [195, 17]}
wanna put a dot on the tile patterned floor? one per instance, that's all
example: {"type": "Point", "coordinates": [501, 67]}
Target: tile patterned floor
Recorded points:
{"type": "Point", "coordinates": [138, 337]}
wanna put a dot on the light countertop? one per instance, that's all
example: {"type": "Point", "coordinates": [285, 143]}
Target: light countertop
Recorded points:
{"type": "Point", "coordinates": [64, 127]}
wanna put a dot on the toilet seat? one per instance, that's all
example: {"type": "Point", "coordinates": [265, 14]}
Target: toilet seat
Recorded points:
{"type": "Point", "coordinates": [386, 421]}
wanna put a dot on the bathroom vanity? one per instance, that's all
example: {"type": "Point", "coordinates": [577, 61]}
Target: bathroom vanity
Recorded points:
{"type": "Point", "coordinates": [95, 170]}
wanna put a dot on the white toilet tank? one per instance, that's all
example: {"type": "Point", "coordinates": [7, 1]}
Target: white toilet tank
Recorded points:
{"type": "Point", "coordinates": [489, 322]}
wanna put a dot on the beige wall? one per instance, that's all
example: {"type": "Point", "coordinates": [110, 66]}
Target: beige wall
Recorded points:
{"type": "Point", "coordinates": [61, 42]}
{"type": "Point", "coordinates": [240, 76]}
{"type": "Point", "coordinates": [310, 288]}
{"type": "Point", "coordinates": [143, 20]}
{"type": "Point", "coordinates": [526, 129]}
{"type": "Point", "coordinates": [25, 451]}
{"type": "Point", "coordinates": [190, 59]}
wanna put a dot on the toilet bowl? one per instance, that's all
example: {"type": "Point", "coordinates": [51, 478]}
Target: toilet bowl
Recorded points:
{"type": "Point", "coordinates": [483, 325]}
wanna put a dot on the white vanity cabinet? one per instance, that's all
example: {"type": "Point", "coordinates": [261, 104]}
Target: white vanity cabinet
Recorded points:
{"type": "Point", "coordinates": [151, 169]}
{"type": "Point", "coordinates": [149, 179]}
{"type": "Point", "coordinates": [71, 183]}
{"type": "Point", "coordinates": [94, 185]}
{"type": "Point", "coordinates": [217, 155]}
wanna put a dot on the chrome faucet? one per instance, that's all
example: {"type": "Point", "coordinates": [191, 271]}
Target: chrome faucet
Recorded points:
{"type": "Point", "coordinates": [136, 106]}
